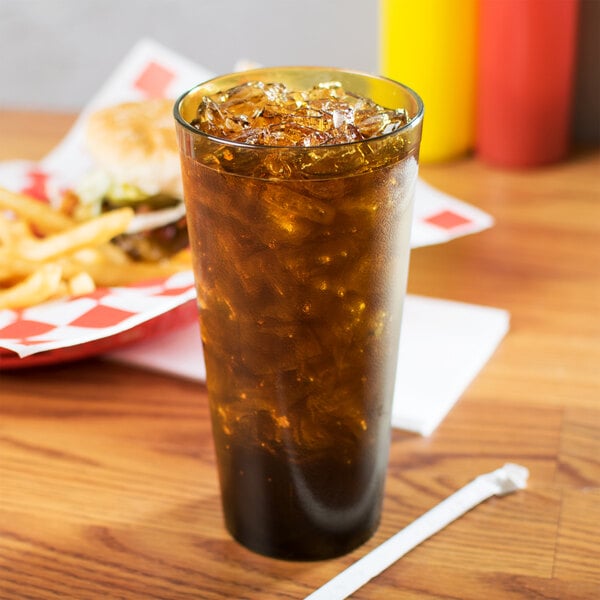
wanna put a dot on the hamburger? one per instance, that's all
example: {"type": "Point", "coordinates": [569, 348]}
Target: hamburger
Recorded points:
{"type": "Point", "coordinates": [136, 163]}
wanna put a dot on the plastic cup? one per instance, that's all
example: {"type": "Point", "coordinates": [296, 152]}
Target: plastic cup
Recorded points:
{"type": "Point", "coordinates": [301, 259]}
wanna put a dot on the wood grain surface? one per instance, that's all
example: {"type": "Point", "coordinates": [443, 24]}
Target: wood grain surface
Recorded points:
{"type": "Point", "coordinates": [107, 478]}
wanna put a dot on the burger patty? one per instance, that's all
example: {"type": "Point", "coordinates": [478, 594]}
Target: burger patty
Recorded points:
{"type": "Point", "coordinates": [154, 244]}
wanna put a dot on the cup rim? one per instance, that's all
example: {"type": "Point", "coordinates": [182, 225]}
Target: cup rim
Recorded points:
{"type": "Point", "coordinates": [413, 123]}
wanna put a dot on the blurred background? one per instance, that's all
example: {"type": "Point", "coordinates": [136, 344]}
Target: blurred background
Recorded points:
{"type": "Point", "coordinates": [55, 53]}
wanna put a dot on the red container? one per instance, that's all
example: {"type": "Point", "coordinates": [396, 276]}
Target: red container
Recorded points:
{"type": "Point", "coordinates": [525, 80]}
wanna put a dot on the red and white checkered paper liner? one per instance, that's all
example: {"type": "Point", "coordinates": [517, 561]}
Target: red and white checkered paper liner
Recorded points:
{"type": "Point", "coordinates": [151, 71]}
{"type": "Point", "coordinates": [103, 313]}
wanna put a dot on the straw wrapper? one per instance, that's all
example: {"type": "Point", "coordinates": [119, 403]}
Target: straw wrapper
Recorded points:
{"type": "Point", "coordinates": [505, 480]}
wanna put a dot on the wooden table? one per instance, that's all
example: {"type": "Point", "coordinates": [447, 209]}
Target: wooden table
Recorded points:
{"type": "Point", "coordinates": [107, 478]}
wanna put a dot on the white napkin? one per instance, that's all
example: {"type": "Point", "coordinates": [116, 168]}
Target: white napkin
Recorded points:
{"type": "Point", "coordinates": [443, 346]}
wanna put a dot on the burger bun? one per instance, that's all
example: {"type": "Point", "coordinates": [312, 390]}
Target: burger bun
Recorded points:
{"type": "Point", "coordinates": [135, 143]}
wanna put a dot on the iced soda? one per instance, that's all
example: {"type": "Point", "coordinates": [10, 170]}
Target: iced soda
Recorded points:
{"type": "Point", "coordinates": [299, 187]}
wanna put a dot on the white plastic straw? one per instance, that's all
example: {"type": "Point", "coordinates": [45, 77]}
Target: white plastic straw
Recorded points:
{"type": "Point", "coordinates": [503, 481]}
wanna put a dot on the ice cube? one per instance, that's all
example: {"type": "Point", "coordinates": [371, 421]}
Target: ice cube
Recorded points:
{"type": "Point", "coordinates": [298, 205]}
{"type": "Point", "coordinates": [269, 114]}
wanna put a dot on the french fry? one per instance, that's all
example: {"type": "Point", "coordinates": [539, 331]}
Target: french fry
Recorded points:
{"type": "Point", "coordinates": [45, 254]}
{"type": "Point", "coordinates": [111, 274]}
{"type": "Point", "coordinates": [37, 287]}
{"type": "Point", "coordinates": [113, 254]}
{"type": "Point", "coordinates": [42, 216]}
{"type": "Point", "coordinates": [88, 233]}
{"type": "Point", "coordinates": [13, 231]}
{"type": "Point", "coordinates": [80, 284]}
{"type": "Point", "coordinates": [14, 268]}
{"type": "Point", "coordinates": [183, 258]}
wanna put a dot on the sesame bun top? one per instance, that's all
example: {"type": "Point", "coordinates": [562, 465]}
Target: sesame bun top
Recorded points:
{"type": "Point", "coordinates": [135, 143]}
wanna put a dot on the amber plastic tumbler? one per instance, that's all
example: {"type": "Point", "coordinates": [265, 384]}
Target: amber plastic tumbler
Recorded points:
{"type": "Point", "coordinates": [301, 258]}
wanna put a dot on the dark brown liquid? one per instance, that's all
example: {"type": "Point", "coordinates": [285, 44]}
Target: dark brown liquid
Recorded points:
{"type": "Point", "coordinates": [300, 286]}
{"type": "Point", "coordinates": [304, 509]}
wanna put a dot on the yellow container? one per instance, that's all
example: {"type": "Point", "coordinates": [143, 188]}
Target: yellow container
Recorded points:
{"type": "Point", "coordinates": [430, 46]}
